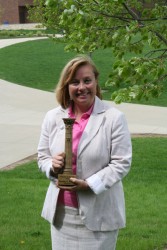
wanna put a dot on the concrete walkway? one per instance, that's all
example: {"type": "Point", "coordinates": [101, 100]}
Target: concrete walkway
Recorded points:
{"type": "Point", "coordinates": [22, 110]}
{"type": "Point", "coordinates": [8, 42]}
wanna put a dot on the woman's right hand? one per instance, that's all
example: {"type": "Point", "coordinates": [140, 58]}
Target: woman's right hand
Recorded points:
{"type": "Point", "coordinates": [58, 162]}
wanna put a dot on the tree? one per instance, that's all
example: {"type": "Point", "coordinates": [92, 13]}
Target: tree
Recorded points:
{"type": "Point", "coordinates": [136, 34]}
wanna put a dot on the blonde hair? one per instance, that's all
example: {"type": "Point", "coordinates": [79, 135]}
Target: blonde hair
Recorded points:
{"type": "Point", "coordinates": [68, 73]}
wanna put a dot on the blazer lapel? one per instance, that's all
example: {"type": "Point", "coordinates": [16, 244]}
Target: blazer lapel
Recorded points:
{"type": "Point", "coordinates": [93, 124]}
{"type": "Point", "coordinates": [59, 118]}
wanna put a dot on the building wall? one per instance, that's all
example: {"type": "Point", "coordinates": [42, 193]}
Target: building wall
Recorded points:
{"type": "Point", "coordinates": [24, 2]}
{"type": "Point", "coordinates": [14, 11]}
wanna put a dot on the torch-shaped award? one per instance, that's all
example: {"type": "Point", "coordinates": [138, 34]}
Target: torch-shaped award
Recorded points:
{"type": "Point", "coordinates": [64, 178]}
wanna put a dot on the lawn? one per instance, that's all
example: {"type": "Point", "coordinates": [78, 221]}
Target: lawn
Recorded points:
{"type": "Point", "coordinates": [23, 190]}
{"type": "Point", "coordinates": [38, 64]}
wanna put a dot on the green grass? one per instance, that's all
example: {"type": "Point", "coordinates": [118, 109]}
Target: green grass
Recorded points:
{"type": "Point", "coordinates": [23, 190]}
{"type": "Point", "coordinates": [146, 200]}
{"type": "Point", "coordinates": [35, 64]}
{"type": "Point", "coordinates": [38, 64]}
{"type": "Point", "coordinates": [22, 194]}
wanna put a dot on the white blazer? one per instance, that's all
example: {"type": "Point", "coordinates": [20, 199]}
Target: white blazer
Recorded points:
{"type": "Point", "coordinates": [104, 153]}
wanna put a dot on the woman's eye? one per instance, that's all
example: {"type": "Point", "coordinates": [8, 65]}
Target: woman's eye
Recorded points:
{"type": "Point", "coordinates": [88, 80]}
{"type": "Point", "coordinates": [75, 82]}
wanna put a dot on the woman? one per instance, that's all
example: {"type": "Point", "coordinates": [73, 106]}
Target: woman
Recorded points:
{"type": "Point", "coordinates": [88, 214]}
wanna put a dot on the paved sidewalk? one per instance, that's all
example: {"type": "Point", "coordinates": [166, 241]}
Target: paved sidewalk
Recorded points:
{"type": "Point", "coordinates": [22, 110]}
{"type": "Point", "coordinates": [8, 42]}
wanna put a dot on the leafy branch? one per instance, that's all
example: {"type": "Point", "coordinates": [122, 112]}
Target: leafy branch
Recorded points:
{"type": "Point", "coordinates": [136, 36]}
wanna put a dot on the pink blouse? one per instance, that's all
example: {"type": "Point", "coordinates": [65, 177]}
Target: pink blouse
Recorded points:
{"type": "Point", "coordinates": [68, 198]}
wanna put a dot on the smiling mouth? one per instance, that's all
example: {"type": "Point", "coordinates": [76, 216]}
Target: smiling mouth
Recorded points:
{"type": "Point", "coordinates": [83, 94]}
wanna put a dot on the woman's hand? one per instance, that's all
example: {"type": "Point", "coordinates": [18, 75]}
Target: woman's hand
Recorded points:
{"type": "Point", "coordinates": [78, 185]}
{"type": "Point", "coordinates": [58, 162]}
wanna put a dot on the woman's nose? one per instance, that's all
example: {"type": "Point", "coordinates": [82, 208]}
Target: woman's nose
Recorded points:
{"type": "Point", "coordinates": [81, 85]}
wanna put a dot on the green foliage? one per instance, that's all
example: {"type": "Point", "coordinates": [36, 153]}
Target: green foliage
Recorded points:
{"type": "Point", "coordinates": [22, 33]}
{"type": "Point", "coordinates": [124, 27]}
{"type": "Point", "coordinates": [132, 74]}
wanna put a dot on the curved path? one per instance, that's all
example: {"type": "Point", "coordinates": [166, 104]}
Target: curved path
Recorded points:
{"type": "Point", "coordinates": [22, 110]}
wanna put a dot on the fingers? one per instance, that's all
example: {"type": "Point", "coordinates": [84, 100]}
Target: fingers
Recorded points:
{"type": "Point", "coordinates": [74, 180]}
{"type": "Point", "coordinates": [62, 154]}
{"type": "Point", "coordinates": [58, 162]}
{"type": "Point", "coordinates": [80, 184]}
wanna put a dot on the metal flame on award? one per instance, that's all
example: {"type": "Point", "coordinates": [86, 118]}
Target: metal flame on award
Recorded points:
{"type": "Point", "coordinates": [64, 178]}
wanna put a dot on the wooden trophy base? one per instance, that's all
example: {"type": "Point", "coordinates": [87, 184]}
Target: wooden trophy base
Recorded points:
{"type": "Point", "coordinates": [64, 179]}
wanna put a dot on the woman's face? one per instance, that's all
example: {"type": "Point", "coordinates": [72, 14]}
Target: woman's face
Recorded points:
{"type": "Point", "coordinates": [82, 89]}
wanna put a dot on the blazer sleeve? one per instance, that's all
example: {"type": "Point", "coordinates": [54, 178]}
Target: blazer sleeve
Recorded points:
{"type": "Point", "coordinates": [120, 158]}
{"type": "Point", "coordinates": [44, 155]}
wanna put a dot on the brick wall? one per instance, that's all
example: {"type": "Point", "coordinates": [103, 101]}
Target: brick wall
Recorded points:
{"type": "Point", "coordinates": [25, 2]}
{"type": "Point", "coordinates": [9, 10]}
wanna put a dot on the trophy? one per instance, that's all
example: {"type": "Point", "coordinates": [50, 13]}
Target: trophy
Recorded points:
{"type": "Point", "coordinates": [64, 178]}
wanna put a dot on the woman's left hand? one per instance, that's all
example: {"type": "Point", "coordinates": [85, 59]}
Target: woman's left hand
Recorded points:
{"type": "Point", "coordinates": [78, 185]}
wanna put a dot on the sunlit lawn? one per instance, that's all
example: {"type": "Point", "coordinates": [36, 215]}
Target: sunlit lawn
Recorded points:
{"type": "Point", "coordinates": [23, 190]}
{"type": "Point", "coordinates": [38, 64]}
